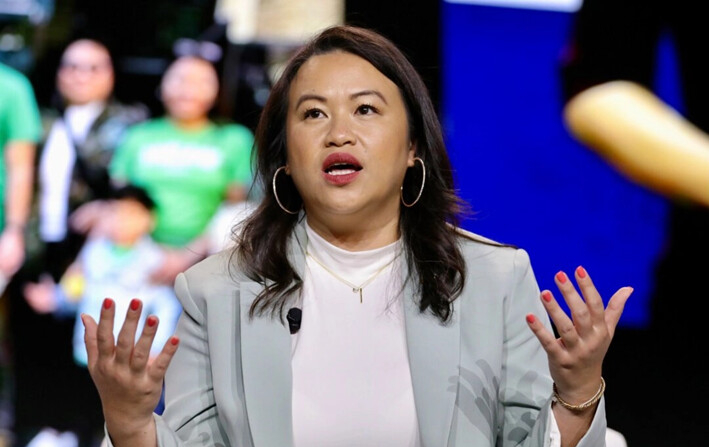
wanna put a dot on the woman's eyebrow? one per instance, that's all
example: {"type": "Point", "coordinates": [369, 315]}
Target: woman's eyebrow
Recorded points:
{"type": "Point", "coordinates": [356, 95]}
{"type": "Point", "coordinates": [367, 93]}
{"type": "Point", "coordinates": [307, 97]}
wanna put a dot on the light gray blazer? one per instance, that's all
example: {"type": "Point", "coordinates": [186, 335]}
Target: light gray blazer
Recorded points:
{"type": "Point", "coordinates": [481, 380]}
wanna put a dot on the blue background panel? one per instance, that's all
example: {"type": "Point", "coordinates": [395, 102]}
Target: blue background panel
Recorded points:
{"type": "Point", "coordinates": [529, 183]}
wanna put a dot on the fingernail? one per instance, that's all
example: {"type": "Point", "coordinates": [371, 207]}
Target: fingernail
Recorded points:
{"type": "Point", "coordinates": [581, 272]}
{"type": "Point", "coordinates": [107, 303]}
{"type": "Point", "coordinates": [174, 341]}
{"type": "Point", "coordinates": [151, 321]}
{"type": "Point", "coordinates": [561, 277]}
{"type": "Point", "coordinates": [134, 304]}
{"type": "Point", "coordinates": [546, 296]}
{"type": "Point", "coordinates": [530, 319]}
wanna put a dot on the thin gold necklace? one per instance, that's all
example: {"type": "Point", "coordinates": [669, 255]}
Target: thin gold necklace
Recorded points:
{"type": "Point", "coordinates": [355, 288]}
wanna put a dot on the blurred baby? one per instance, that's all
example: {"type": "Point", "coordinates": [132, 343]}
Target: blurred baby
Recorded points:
{"type": "Point", "coordinates": [116, 261]}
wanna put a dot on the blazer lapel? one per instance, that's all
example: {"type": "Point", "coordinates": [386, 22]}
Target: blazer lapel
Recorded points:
{"type": "Point", "coordinates": [434, 355]}
{"type": "Point", "coordinates": [266, 361]}
{"type": "Point", "coordinates": [266, 365]}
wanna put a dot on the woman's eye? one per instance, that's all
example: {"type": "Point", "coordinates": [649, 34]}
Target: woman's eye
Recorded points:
{"type": "Point", "coordinates": [366, 109]}
{"type": "Point", "coordinates": [313, 113]}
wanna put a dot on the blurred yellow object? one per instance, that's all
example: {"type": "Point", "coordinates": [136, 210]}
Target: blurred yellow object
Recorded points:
{"type": "Point", "coordinates": [642, 137]}
{"type": "Point", "coordinates": [73, 286]}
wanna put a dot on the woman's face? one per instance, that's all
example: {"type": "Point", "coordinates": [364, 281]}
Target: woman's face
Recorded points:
{"type": "Point", "coordinates": [348, 140]}
{"type": "Point", "coordinates": [189, 89]}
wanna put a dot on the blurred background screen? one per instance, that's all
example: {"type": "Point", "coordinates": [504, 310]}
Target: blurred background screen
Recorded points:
{"type": "Point", "coordinates": [529, 183]}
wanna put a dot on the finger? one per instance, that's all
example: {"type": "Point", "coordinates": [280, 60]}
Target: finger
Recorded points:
{"type": "Point", "coordinates": [126, 337]}
{"type": "Point", "coordinates": [141, 351]}
{"type": "Point", "coordinates": [90, 340]}
{"type": "Point", "coordinates": [157, 369]}
{"type": "Point", "coordinates": [104, 333]}
{"type": "Point", "coordinates": [590, 294]}
{"type": "Point", "coordinates": [615, 308]}
{"type": "Point", "coordinates": [578, 307]}
{"type": "Point", "coordinates": [564, 325]}
{"type": "Point", "coordinates": [545, 337]}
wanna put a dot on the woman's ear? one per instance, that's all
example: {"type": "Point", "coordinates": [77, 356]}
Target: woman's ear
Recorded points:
{"type": "Point", "coordinates": [412, 154]}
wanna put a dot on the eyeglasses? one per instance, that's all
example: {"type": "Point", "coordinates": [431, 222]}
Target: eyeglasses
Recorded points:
{"type": "Point", "coordinates": [72, 68]}
{"type": "Point", "coordinates": [189, 47]}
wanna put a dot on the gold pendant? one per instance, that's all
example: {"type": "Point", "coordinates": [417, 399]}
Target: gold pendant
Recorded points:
{"type": "Point", "coordinates": [358, 289]}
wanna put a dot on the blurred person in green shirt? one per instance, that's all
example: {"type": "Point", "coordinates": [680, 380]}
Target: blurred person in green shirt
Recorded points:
{"type": "Point", "coordinates": [20, 131]}
{"type": "Point", "coordinates": [190, 164]}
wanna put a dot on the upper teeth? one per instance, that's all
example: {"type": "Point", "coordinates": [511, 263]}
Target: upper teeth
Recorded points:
{"type": "Point", "coordinates": [341, 171]}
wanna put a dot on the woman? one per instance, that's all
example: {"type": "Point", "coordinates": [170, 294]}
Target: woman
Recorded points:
{"type": "Point", "coordinates": [188, 163]}
{"type": "Point", "coordinates": [412, 331]}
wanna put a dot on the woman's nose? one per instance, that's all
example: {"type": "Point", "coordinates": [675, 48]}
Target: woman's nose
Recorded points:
{"type": "Point", "coordinates": [340, 132]}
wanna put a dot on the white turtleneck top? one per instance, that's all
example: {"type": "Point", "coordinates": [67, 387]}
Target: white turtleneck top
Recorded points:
{"type": "Point", "coordinates": [351, 378]}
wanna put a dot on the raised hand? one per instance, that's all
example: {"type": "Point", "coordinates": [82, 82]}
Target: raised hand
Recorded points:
{"type": "Point", "coordinates": [129, 384]}
{"type": "Point", "coordinates": [576, 357]}
{"type": "Point", "coordinates": [40, 296]}
{"type": "Point", "coordinates": [88, 218]}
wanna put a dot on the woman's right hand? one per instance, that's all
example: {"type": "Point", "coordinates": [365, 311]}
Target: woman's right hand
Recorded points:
{"type": "Point", "coordinates": [129, 383]}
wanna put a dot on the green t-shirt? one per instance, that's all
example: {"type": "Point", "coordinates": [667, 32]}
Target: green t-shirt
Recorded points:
{"type": "Point", "coordinates": [186, 173]}
{"type": "Point", "coordinates": [19, 119]}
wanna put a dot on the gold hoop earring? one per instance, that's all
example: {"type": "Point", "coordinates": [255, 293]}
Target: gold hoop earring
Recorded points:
{"type": "Point", "coordinates": [275, 194]}
{"type": "Point", "coordinates": [423, 182]}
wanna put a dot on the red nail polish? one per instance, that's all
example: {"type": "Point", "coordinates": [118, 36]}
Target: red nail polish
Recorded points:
{"type": "Point", "coordinates": [561, 277]}
{"type": "Point", "coordinates": [546, 296]}
{"type": "Point", "coordinates": [581, 272]}
{"type": "Point", "coordinates": [174, 341]}
{"type": "Point", "coordinates": [151, 321]}
{"type": "Point", "coordinates": [530, 319]}
{"type": "Point", "coordinates": [107, 303]}
{"type": "Point", "coordinates": [134, 304]}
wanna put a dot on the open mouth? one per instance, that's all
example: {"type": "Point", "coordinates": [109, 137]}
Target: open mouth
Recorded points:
{"type": "Point", "coordinates": [341, 164]}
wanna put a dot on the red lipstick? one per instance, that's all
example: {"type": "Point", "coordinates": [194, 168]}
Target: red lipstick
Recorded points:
{"type": "Point", "coordinates": [340, 168]}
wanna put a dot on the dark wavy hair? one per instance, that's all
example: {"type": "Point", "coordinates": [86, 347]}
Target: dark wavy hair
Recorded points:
{"type": "Point", "coordinates": [430, 242]}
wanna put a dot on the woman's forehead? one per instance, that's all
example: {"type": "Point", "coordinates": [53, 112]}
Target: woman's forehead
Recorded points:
{"type": "Point", "coordinates": [336, 72]}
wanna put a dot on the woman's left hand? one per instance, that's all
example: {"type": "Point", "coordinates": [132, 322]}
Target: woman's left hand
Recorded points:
{"type": "Point", "coordinates": [576, 357]}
